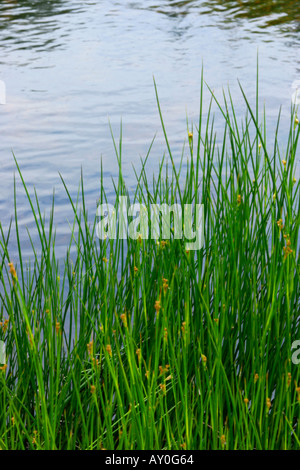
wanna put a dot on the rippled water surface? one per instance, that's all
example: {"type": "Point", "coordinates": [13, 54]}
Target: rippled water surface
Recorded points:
{"type": "Point", "coordinates": [72, 66]}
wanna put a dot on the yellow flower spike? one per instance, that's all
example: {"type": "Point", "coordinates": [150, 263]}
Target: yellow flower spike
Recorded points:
{"type": "Point", "coordinates": [90, 347]}
{"type": "Point", "coordinates": [287, 249]}
{"type": "Point", "coordinates": [105, 260]}
{"type": "Point", "coordinates": [124, 319]}
{"type": "Point", "coordinates": [108, 349]}
{"type": "Point", "coordinates": [256, 377]}
{"type": "Point", "coordinates": [165, 285]}
{"type": "Point", "coordinates": [57, 327]}
{"type": "Point", "coordinates": [138, 353]}
{"type": "Point", "coordinates": [157, 306]}
{"type": "Point", "coordinates": [246, 401]}
{"type": "Point", "coordinates": [268, 403]}
{"type": "Point", "coordinates": [12, 270]}
{"type": "Point", "coordinates": [95, 362]}
{"type": "Point", "coordinates": [93, 389]}
{"type": "Point", "coordinates": [135, 269]}
{"type": "Point", "coordinates": [223, 440]}
{"type": "Point", "coordinates": [204, 358]}
{"type": "Point", "coordinates": [3, 368]}
{"type": "Point", "coordinates": [296, 121]}
{"type": "Point", "coordinates": [239, 199]}
{"type": "Point", "coordinates": [284, 163]}
{"type": "Point", "coordinates": [4, 325]}
{"type": "Point", "coordinates": [164, 370]}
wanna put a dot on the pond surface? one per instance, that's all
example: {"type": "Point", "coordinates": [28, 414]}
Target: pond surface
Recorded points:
{"type": "Point", "coordinates": [72, 66]}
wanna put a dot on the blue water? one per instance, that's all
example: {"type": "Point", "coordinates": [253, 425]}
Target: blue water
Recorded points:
{"type": "Point", "coordinates": [72, 66]}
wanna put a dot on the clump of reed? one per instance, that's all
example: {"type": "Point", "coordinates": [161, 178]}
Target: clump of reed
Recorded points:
{"type": "Point", "coordinates": [141, 344]}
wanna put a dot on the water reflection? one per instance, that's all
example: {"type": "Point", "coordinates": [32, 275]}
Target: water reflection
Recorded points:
{"type": "Point", "coordinates": [31, 25]}
{"type": "Point", "coordinates": [272, 12]}
{"type": "Point", "coordinates": [44, 24]}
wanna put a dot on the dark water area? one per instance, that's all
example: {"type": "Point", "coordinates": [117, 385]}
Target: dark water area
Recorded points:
{"type": "Point", "coordinates": [70, 67]}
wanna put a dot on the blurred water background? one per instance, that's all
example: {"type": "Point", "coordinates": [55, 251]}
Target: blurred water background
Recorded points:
{"type": "Point", "coordinates": [72, 66]}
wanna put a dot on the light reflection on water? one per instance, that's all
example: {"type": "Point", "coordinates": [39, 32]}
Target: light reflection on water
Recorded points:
{"type": "Point", "coordinates": [69, 66]}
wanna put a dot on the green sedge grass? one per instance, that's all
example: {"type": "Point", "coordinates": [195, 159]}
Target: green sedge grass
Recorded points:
{"type": "Point", "coordinates": [140, 344]}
